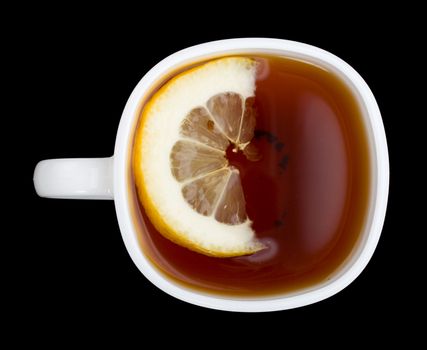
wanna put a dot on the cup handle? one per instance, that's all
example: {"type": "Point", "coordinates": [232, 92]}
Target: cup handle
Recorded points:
{"type": "Point", "coordinates": [75, 178]}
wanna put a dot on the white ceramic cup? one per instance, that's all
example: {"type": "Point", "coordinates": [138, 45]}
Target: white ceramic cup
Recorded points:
{"type": "Point", "coordinates": [109, 178]}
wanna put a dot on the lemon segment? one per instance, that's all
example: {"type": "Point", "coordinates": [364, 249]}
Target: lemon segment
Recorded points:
{"type": "Point", "coordinates": [189, 191]}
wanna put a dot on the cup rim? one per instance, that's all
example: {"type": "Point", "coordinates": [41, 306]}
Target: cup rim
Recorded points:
{"type": "Point", "coordinates": [121, 163]}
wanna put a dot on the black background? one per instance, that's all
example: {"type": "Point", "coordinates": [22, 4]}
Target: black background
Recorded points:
{"type": "Point", "coordinates": [74, 71]}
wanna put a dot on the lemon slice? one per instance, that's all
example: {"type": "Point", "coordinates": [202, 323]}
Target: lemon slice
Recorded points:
{"type": "Point", "coordinates": [185, 183]}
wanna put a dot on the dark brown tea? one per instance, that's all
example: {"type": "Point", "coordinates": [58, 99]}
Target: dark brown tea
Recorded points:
{"type": "Point", "coordinates": [307, 194]}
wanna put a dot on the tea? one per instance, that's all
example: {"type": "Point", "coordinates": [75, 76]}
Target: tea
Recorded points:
{"type": "Point", "coordinates": [306, 187]}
